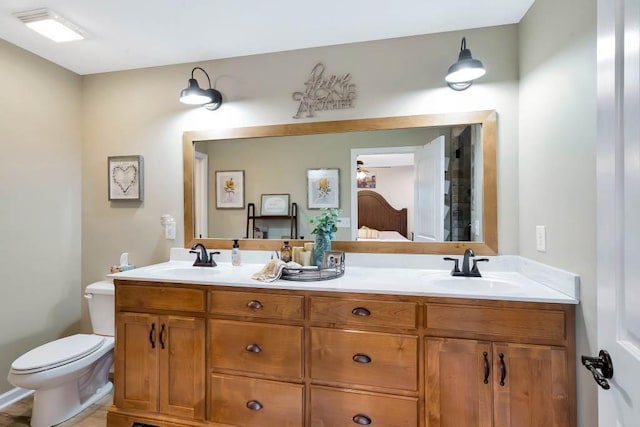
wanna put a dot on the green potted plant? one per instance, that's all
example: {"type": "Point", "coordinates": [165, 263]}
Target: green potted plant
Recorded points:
{"type": "Point", "coordinates": [324, 227]}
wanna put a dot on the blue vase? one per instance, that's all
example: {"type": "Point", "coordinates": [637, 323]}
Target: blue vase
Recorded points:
{"type": "Point", "coordinates": [322, 243]}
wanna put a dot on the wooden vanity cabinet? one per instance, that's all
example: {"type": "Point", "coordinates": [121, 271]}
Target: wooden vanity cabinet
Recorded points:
{"type": "Point", "coordinates": [222, 356]}
{"type": "Point", "coordinates": [520, 375]}
{"type": "Point", "coordinates": [160, 358]}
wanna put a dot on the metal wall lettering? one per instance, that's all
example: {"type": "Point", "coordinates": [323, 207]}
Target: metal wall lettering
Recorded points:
{"type": "Point", "coordinates": [324, 93]}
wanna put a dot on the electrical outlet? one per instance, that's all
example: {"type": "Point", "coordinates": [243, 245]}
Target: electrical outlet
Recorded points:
{"type": "Point", "coordinates": [541, 238]}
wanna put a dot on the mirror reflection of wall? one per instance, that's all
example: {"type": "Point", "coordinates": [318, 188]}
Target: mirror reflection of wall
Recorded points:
{"type": "Point", "coordinates": [278, 165]}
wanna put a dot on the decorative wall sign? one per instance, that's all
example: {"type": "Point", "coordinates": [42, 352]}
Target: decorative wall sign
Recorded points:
{"type": "Point", "coordinates": [324, 93]}
{"type": "Point", "coordinates": [230, 189]}
{"type": "Point", "coordinates": [125, 177]}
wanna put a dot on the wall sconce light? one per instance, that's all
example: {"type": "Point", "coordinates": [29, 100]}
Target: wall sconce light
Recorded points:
{"type": "Point", "coordinates": [210, 98]}
{"type": "Point", "coordinates": [462, 74]}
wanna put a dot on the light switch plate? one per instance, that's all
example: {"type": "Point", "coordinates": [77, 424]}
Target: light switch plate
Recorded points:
{"type": "Point", "coordinates": [343, 222]}
{"type": "Point", "coordinates": [541, 238]}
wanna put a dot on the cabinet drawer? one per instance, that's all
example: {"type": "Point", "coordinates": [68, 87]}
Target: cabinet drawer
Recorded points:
{"type": "Point", "coordinates": [160, 298]}
{"type": "Point", "coordinates": [259, 305]}
{"type": "Point", "coordinates": [344, 408]}
{"type": "Point", "coordinates": [249, 402]}
{"type": "Point", "coordinates": [256, 348]}
{"type": "Point", "coordinates": [363, 312]}
{"type": "Point", "coordinates": [365, 358]}
{"type": "Point", "coordinates": [515, 323]}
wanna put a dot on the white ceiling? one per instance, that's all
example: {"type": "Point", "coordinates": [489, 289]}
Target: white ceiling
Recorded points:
{"type": "Point", "coordinates": [127, 34]}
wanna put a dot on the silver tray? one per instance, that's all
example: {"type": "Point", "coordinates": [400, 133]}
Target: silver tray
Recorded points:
{"type": "Point", "coordinates": [312, 274]}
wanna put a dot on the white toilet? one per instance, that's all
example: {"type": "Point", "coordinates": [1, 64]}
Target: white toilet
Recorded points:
{"type": "Point", "coordinates": [71, 373]}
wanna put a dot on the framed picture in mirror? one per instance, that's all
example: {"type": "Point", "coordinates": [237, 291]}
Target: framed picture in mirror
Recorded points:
{"type": "Point", "coordinates": [323, 188]}
{"type": "Point", "coordinates": [125, 178]}
{"type": "Point", "coordinates": [274, 204]}
{"type": "Point", "coordinates": [230, 189]}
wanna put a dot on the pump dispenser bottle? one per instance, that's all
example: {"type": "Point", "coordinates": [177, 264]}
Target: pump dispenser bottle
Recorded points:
{"type": "Point", "coordinates": [235, 253]}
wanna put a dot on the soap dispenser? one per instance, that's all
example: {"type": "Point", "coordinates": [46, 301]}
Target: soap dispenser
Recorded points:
{"type": "Point", "coordinates": [235, 253]}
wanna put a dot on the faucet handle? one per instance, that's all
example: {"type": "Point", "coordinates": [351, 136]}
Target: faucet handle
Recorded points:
{"type": "Point", "coordinates": [474, 268]}
{"type": "Point", "coordinates": [197, 255]}
{"type": "Point", "coordinates": [456, 269]}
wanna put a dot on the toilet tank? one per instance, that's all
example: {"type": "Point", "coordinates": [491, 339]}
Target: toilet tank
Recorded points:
{"type": "Point", "coordinates": [101, 298]}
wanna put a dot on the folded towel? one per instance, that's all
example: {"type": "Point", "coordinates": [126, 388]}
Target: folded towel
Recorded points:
{"type": "Point", "coordinates": [273, 270]}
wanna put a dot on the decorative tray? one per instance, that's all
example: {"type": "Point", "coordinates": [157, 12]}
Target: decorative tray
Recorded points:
{"type": "Point", "coordinates": [329, 270]}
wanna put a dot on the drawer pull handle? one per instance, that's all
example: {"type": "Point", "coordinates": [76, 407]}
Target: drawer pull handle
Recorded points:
{"type": "Point", "coordinates": [254, 305]}
{"type": "Point", "coordinates": [503, 369]}
{"type": "Point", "coordinates": [362, 420]}
{"type": "Point", "coordinates": [254, 405]}
{"type": "Point", "coordinates": [253, 348]}
{"type": "Point", "coordinates": [152, 335]}
{"type": "Point", "coordinates": [361, 358]}
{"type": "Point", "coordinates": [486, 367]}
{"type": "Point", "coordinates": [360, 311]}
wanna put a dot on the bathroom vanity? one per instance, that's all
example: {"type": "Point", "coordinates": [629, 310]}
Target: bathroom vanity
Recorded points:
{"type": "Point", "coordinates": [380, 347]}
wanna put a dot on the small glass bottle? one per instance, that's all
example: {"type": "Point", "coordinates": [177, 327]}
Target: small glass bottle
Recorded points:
{"type": "Point", "coordinates": [235, 253]}
{"type": "Point", "coordinates": [285, 252]}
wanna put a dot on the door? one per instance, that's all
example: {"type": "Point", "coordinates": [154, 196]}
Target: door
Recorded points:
{"type": "Point", "coordinates": [182, 366]}
{"type": "Point", "coordinates": [429, 192]}
{"type": "Point", "coordinates": [136, 361]}
{"type": "Point", "coordinates": [618, 207]}
{"type": "Point", "coordinates": [458, 383]}
{"type": "Point", "coordinates": [200, 194]}
{"type": "Point", "coordinates": [531, 386]}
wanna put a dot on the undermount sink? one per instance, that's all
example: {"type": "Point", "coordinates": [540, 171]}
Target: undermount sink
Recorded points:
{"type": "Point", "coordinates": [475, 284]}
{"type": "Point", "coordinates": [186, 272]}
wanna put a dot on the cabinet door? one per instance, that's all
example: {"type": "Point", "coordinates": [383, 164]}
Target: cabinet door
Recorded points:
{"type": "Point", "coordinates": [530, 386]}
{"type": "Point", "coordinates": [182, 366]}
{"type": "Point", "coordinates": [136, 363]}
{"type": "Point", "coordinates": [458, 383]}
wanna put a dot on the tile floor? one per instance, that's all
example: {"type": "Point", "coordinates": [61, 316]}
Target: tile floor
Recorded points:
{"type": "Point", "coordinates": [19, 413]}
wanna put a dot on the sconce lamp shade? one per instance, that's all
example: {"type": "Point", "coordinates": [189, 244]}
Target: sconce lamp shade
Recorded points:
{"type": "Point", "coordinates": [462, 74]}
{"type": "Point", "coordinates": [194, 95]}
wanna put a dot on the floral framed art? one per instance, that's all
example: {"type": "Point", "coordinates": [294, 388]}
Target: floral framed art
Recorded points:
{"type": "Point", "coordinates": [126, 178]}
{"type": "Point", "coordinates": [323, 188]}
{"type": "Point", "coordinates": [230, 189]}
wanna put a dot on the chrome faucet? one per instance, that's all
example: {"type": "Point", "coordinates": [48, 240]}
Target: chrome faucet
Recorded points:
{"type": "Point", "coordinates": [203, 258]}
{"type": "Point", "coordinates": [466, 271]}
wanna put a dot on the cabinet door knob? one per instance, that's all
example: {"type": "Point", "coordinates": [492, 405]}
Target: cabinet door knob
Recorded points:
{"type": "Point", "coordinates": [360, 311]}
{"type": "Point", "coordinates": [253, 348]}
{"type": "Point", "coordinates": [254, 305]}
{"type": "Point", "coordinates": [362, 420]}
{"type": "Point", "coordinates": [254, 405]}
{"type": "Point", "coordinates": [361, 358]}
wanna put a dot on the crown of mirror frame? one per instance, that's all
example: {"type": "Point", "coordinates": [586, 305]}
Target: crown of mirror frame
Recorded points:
{"type": "Point", "coordinates": [462, 74]}
{"type": "Point", "coordinates": [210, 98]}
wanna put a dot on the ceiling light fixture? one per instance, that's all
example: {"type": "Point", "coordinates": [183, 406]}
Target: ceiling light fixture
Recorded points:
{"type": "Point", "coordinates": [50, 25]}
{"type": "Point", "coordinates": [462, 74]}
{"type": "Point", "coordinates": [210, 98]}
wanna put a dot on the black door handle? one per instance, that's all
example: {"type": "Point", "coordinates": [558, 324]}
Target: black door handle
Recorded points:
{"type": "Point", "coordinates": [604, 364]}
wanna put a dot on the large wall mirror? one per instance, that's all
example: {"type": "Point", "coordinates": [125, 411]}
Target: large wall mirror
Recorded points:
{"type": "Point", "coordinates": [439, 171]}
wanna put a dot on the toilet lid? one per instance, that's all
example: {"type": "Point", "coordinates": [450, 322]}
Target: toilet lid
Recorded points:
{"type": "Point", "coordinates": [57, 353]}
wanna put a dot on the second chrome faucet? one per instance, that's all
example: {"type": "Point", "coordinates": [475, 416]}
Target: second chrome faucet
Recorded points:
{"type": "Point", "coordinates": [466, 271]}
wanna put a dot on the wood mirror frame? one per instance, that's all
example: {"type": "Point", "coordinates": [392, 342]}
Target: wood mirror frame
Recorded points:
{"type": "Point", "coordinates": [487, 118]}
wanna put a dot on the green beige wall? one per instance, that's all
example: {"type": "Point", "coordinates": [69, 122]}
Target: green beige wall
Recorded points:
{"type": "Point", "coordinates": [557, 142]}
{"type": "Point", "coordinates": [40, 259]}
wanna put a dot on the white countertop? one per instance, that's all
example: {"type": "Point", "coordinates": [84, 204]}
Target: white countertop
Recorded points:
{"type": "Point", "coordinates": [509, 278]}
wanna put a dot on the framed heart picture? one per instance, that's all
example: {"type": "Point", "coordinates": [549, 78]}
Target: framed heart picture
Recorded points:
{"type": "Point", "coordinates": [126, 178]}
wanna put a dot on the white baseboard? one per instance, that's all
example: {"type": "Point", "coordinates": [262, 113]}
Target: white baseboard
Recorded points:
{"type": "Point", "coordinates": [13, 396]}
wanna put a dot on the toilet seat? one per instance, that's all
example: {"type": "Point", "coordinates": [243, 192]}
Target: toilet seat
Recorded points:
{"type": "Point", "coordinates": [57, 353]}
